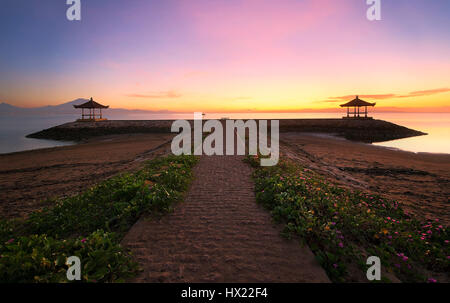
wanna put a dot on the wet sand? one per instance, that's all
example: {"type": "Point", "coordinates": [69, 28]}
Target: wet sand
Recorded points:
{"type": "Point", "coordinates": [28, 178]}
{"type": "Point", "coordinates": [419, 181]}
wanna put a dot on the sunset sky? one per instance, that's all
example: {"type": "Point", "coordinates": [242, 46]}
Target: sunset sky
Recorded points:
{"type": "Point", "coordinates": [227, 55]}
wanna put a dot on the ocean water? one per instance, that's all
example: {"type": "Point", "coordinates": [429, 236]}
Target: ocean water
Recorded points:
{"type": "Point", "coordinates": [14, 129]}
{"type": "Point", "coordinates": [436, 125]}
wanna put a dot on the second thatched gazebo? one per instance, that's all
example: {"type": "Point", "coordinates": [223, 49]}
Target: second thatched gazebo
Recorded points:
{"type": "Point", "coordinates": [357, 104]}
{"type": "Point", "coordinates": [91, 105]}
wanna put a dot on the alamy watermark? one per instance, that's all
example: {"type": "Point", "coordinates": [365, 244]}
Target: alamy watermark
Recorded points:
{"type": "Point", "coordinates": [74, 271]}
{"type": "Point", "coordinates": [73, 13]}
{"type": "Point", "coordinates": [374, 11]}
{"type": "Point", "coordinates": [374, 271]}
{"type": "Point", "coordinates": [236, 131]}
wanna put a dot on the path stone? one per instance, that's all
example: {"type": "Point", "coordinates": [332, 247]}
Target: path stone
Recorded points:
{"type": "Point", "coordinates": [219, 234]}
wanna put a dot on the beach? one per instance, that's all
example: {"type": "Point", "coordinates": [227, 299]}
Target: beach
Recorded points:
{"type": "Point", "coordinates": [419, 181]}
{"type": "Point", "coordinates": [29, 178]}
{"type": "Point", "coordinates": [217, 230]}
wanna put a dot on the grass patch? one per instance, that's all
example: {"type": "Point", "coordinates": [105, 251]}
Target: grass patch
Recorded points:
{"type": "Point", "coordinates": [90, 225]}
{"type": "Point", "coordinates": [344, 227]}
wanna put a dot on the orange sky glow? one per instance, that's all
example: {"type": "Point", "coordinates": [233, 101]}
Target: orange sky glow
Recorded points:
{"type": "Point", "coordinates": [232, 56]}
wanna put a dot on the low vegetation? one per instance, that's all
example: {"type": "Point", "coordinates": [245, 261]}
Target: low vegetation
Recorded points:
{"type": "Point", "coordinates": [90, 226]}
{"type": "Point", "coordinates": [344, 227]}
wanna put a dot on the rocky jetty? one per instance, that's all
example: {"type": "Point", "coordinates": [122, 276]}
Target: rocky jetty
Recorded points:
{"type": "Point", "coordinates": [363, 130]}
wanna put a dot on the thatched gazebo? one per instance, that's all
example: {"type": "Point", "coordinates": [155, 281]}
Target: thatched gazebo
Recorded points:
{"type": "Point", "coordinates": [357, 104]}
{"type": "Point", "coordinates": [91, 105]}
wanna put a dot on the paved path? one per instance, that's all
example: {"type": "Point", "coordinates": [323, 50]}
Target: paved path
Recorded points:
{"type": "Point", "coordinates": [219, 234]}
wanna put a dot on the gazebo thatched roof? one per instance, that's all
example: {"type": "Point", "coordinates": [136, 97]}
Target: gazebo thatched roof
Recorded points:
{"type": "Point", "coordinates": [91, 104]}
{"type": "Point", "coordinates": [357, 103]}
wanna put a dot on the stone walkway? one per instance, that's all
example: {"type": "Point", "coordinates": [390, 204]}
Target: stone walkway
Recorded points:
{"type": "Point", "coordinates": [219, 234]}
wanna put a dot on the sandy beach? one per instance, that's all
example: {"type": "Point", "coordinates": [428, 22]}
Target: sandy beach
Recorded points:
{"type": "Point", "coordinates": [418, 181]}
{"type": "Point", "coordinates": [219, 223]}
{"type": "Point", "coordinates": [28, 178]}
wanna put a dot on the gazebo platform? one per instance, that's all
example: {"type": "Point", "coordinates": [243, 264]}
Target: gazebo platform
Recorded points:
{"type": "Point", "coordinates": [358, 118]}
{"type": "Point", "coordinates": [92, 120]}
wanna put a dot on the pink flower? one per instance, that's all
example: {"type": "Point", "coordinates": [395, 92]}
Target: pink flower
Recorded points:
{"type": "Point", "coordinates": [84, 240]}
{"type": "Point", "coordinates": [10, 241]}
{"type": "Point", "coordinates": [341, 244]}
{"type": "Point", "coordinates": [335, 265]}
{"type": "Point", "coordinates": [431, 280]}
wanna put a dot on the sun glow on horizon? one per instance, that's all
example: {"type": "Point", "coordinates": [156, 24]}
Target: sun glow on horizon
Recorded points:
{"type": "Point", "coordinates": [228, 56]}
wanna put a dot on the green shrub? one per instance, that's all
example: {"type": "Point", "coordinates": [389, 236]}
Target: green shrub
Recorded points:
{"type": "Point", "coordinates": [36, 249]}
{"type": "Point", "coordinates": [343, 227]}
{"type": "Point", "coordinates": [39, 258]}
{"type": "Point", "coordinates": [115, 204]}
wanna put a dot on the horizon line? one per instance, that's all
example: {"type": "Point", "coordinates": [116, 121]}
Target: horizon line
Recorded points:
{"type": "Point", "coordinates": [434, 109]}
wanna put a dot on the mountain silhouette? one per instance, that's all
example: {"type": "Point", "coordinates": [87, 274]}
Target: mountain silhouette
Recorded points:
{"type": "Point", "coordinates": [63, 109]}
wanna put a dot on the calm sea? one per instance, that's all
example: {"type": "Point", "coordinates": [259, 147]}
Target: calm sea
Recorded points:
{"type": "Point", "coordinates": [437, 125]}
